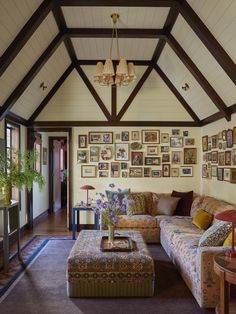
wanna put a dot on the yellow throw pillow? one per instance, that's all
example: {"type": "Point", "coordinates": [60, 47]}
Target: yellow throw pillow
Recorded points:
{"type": "Point", "coordinates": [228, 240]}
{"type": "Point", "coordinates": [203, 219]}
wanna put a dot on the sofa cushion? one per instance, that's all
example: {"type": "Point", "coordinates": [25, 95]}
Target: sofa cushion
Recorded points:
{"type": "Point", "coordinates": [137, 221]}
{"type": "Point", "coordinates": [203, 219]}
{"type": "Point", "coordinates": [184, 205]}
{"type": "Point", "coordinates": [138, 205]}
{"type": "Point", "coordinates": [148, 202]}
{"type": "Point", "coordinates": [155, 199]}
{"type": "Point", "coordinates": [216, 234]}
{"type": "Point", "coordinates": [167, 205]}
{"type": "Point", "coordinates": [196, 205]}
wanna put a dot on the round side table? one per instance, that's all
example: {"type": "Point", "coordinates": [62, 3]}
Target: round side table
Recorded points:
{"type": "Point", "coordinates": [225, 268]}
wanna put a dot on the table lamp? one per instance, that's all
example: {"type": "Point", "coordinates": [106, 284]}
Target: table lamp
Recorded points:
{"type": "Point", "coordinates": [230, 216]}
{"type": "Point", "coordinates": [87, 188]}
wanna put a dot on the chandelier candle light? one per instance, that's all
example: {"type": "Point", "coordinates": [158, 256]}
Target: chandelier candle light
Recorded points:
{"type": "Point", "coordinates": [105, 74]}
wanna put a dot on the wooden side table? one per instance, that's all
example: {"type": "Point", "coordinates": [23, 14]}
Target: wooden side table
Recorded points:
{"type": "Point", "coordinates": [225, 268]}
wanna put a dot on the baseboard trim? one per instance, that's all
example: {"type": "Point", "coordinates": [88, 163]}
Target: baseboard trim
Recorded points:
{"type": "Point", "coordinates": [41, 216]}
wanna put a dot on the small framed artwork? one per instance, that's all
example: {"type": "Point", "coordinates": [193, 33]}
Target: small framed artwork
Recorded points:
{"type": "Point", "coordinates": [224, 145]}
{"type": "Point", "coordinates": [121, 151]}
{"type": "Point", "coordinates": [174, 172]}
{"type": "Point", "coordinates": [209, 156]}
{"type": "Point", "coordinates": [82, 156]}
{"type": "Point", "coordinates": [214, 141]}
{"type": "Point", "coordinates": [137, 158]}
{"type": "Point", "coordinates": [176, 132]}
{"type": "Point", "coordinates": [234, 135]}
{"type": "Point", "coordinates": [176, 141]}
{"type": "Point", "coordinates": [147, 172]}
{"type": "Point", "coordinates": [205, 143]}
{"type": "Point", "coordinates": [176, 157]}
{"type": "Point", "coordinates": [150, 136]}
{"type": "Point", "coordinates": [220, 145]}
{"type": "Point", "coordinates": [233, 175]}
{"type": "Point", "coordinates": [100, 137]}
{"type": "Point", "coordinates": [82, 141]}
{"type": "Point", "coordinates": [220, 172]}
{"type": "Point", "coordinates": [115, 169]}
{"type": "Point", "coordinates": [165, 170]}
{"type": "Point", "coordinates": [204, 171]}
{"type": "Point", "coordinates": [226, 174]}
{"type": "Point", "coordinates": [117, 136]}
{"type": "Point", "coordinates": [94, 154]}
{"type": "Point", "coordinates": [151, 161]}
{"type": "Point", "coordinates": [165, 138]}
{"type": "Point", "coordinates": [214, 171]}
{"type": "Point", "coordinates": [136, 146]}
{"type": "Point", "coordinates": [165, 149]}
{"type": "Point", "coordinates": [88, 171]}
{"type": "Point", "coordinates": [124, 165]}
{"type": "Point", "coordinates": [135, 135]}
{"type": "Point", "coordinates": [190, 156]}
{"type": "Point", "coordinates": [221, 159]}
{"type": "Point", "coordinates": [156, 173]}
{"type": "Point", "coordinates": [214, 156]}
{"type": "Point", "coordinates": [152, 150]}
{"type": "Point", "coordinates": [125, 136]}
{"type": "Point", "coordinates": [103, 174]}
{"type": "Point", "coordinates": [224, 135]}
{"type": "Point", "coordinates": [135, 172]}
{"type": "Point", "coordinates": [106, 153]}
{"type": "Point", "coordinates": [228, 157]}
{"type": "Point", "coordinates": [185, 133]}
{"type": "Point", "coordinates": [229, 138]}
{"type": "Point", "coordinates": [45, 155]}
{"type": "Point", "coordinates": [234, 157]}
{"type": "Point", "coordinates": [219, 136]}
{"type": "Point", "coordinates": [186, 171]}
{"type": "Point", "coordinates": [103, 166]}
{"type": "Point", "coordinates": [166, 158]}
{"type": "Point", "coordinates": [124, 174]}
{"type": "Point", "coordinates": [189, 141]}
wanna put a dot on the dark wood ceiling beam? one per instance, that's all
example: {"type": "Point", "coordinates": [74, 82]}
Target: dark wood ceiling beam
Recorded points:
{"type": "Point", "coordinates": [18, 91]}
{"type": "Point", "coordinates": [134, 92]}
{"type": "Point", "coordinates": [177, 94]}
{"type": "Point", "coordinates": [15, 118]}
{"type": "Point", "coordinates": [50, 94]}
{"type": "Point", "coordinates": [93, 92]}
{"type": "Point", "coordinates": [24, 35]}
{"type": "Point", "coordinates": [113, 102]}
{"type": "Point", "coordinates": [117, 3]}
{"type": "Point", "coordinates": [107, 33]}
{"type": "Point", "coordinates": [115, 62]}
{"type": "Point", "coordinates": [208, 39]}
{"type": "Point", "coordinates": [200, 78]}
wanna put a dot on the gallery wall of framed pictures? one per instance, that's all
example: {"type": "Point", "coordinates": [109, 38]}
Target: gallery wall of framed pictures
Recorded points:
{"type": "Point", "coordinates": [141, 153]}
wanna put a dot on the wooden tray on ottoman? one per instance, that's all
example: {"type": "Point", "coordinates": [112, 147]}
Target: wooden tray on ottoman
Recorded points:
{"type": "Point", "coordinates": [120, 244]}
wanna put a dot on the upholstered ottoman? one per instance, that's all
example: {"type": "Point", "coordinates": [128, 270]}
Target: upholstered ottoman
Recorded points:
{"type": "Point", "coordinates": [93, 273]}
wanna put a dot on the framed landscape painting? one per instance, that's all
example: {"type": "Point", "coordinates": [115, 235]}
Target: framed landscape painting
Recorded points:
{"type": "Point", "coordinates": [150, 136]}
{"type": "Point", "coordinates": [89, 171]}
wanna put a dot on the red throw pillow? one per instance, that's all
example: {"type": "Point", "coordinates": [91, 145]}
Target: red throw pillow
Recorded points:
{"type": "Point", "coordinates": [184, 206]}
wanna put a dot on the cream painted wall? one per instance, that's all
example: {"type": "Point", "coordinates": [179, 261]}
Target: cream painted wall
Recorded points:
{"type": "Point", "coordinates": [2, 129]}
{"type": "Point", "coordinates": [219, 189]}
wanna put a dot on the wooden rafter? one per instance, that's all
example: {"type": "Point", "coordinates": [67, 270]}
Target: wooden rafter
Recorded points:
{"type": "Point", "coordinates": [118, 3]}
{"type": "Point", "coordinates": [50, 94]}
{"type": "Point", "coordinates": [200, 78]}
{"type": "Point", "coordinates": [24, 35]}
{"type": "Point", "coordinates": [113, 102]}
{"type": "Point", "coordinates": [93, 92]}
{"type": "Point", "coordinates": [18, 91]}
{"type": "Point", "coordinates": [208, 39]}
{"type": "Point", "coordinates": [15, 118]}
{"type": "Point", "coordinates": [177, 94]}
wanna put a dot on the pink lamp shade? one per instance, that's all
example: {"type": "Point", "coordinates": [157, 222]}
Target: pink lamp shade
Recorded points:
{"type": "Point", "coordinates": [87, 188]}
{"type": "Point", "coordinates": [230, 216]}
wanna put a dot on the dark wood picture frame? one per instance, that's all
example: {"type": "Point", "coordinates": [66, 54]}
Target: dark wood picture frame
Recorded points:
{"type": "Point", "coordinates": [205, 143]}
{"type": "Point", "coordinates": [82, 141]}
{"type": "Point", "coordinates": [165, 170]}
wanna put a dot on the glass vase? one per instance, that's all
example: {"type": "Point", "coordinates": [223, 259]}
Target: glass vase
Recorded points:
{"type": "Point", "coordinates": [110, 234]}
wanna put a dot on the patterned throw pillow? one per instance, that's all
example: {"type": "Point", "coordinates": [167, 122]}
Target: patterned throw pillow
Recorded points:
{"type": "Point", "coordinates": [216, 234]}
{"type": "Point", "coordinates": [137, 206]}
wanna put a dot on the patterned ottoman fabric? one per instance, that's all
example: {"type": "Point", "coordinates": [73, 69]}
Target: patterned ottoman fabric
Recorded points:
{"type": "Point", "coordinates": [93, 273]}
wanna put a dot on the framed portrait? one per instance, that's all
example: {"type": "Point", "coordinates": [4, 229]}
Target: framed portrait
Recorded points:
{"type": "Point", "coordinates": [174, 172]}
{"type": "Point", "coordinates": [103, 166]}
{"type": "Point", "coordinates": [234, 157]}
{"type": "Point", "coordinates": [214, 171]}
{"type": "Point", "coordinates": [135, 135]}
{"type": "Point", "coordinates": [100, 137]}
{"type": "Point", "coordinates": [82, 141]}
{"type": "Point", "coordinates": [204, 171]}
{"type": "Point", "coordinates": [82, 156]}
{"type": "Point", "coordinates": [115, 169]}
{"type": "Point", "coordinates": [176, 141]}
{"type": "Point", "coordinates": [165, 138]}
{"type": "Point", "coordinates": [147, 171]}
{"type": "Point", "coordinates": [214, 156]}
{"type": "Point", "coordinates": [106, 153]}
{"type": "Point", "coordinates": [228, 156]}
{"type": "Point", "coordinates": [149, 161]}
{"type": "Point", "coordinates": [234, 135]}
{"type": "Point", "coordinates": [45, 156]}
{"type": "Point", "coordinates": [124, 165]}
{"type": "Point", "coordinates": [209, 156]}
{"type": "Point", "coordinates": [224, 135]}
{"type": "Point", "coordinates": [226, 173]}
{"type": "Point", "coordinates": [135, 172]}
{"type": "Point", "coordinates": [137, 158]}
{"type": "Point", "coordinates": [186, 171]}
{"type": "Point", "coordinates": [185, 133]}
{"type": "Point", "coordinates": [165, 170]}
{"type": "Point", "coordinates": [166, 158]}
{"type": "Point", "coordinates": [94, 153]}
{"type": "Point", "coordinates": [176, 157]}
{"type": "Point", "coordinates": [165, 149]}
{"type": "Point", "coordinates": [229, 138]}
{"type": "Point", "coordinates": [214, 141]}
{"type": "Point", "coordinates": [189, 141]}
{"type": "Point", "coordinates": [205, 143]}
{"type": "Point", "coordinates": [156, 173]}
{"type": "Point", "coordinates": [220, 145]}
{"type": "Point", "coordinates": [219, 136]}
{"type": "Point", "coordinates": [124, 174]}
{"type": "Point", "coordinates": [150, 136]}
{"type": "Point", "coordinates": [103, 174]}
{"type": "Point", "coordinates": [190, 156]}
{"type": "Point", "coordinates": [121, 151]}
{"type": "Point", "coordinates": [125, 136]}
{"type": "Point", "coordinates": [233, 175]}
{"type": "Point", "coordinates": [152, 150]}
{"type": "Point", "coordinates": [176, 132]}
{"type": "Point", "coordinates": [221, 158]}
{"type": "Point", "coordinates": [88, 171]}
{"type": "Point", "coordinates": [220, 172]}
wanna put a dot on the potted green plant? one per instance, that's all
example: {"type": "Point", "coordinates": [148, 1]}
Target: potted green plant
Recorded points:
{"type": "Point", "coordinates": [17, 170]}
